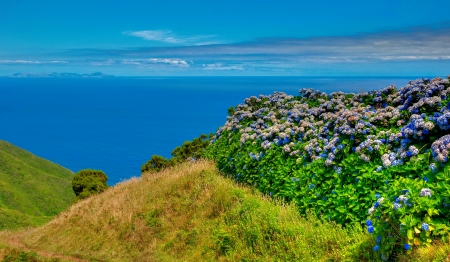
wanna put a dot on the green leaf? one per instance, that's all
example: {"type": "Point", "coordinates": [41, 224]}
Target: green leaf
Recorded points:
{"type": "Point", "coordinates": [410, 234]}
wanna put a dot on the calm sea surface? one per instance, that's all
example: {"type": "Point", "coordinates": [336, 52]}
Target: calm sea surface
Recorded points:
{"type": "Point", "coordinates": [116, 124]}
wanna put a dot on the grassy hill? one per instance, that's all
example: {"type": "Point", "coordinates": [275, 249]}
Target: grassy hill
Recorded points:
{"type": "Point", "coordinates": [32, 189]}
{"type": "Point", "coordinates": [188, 213]}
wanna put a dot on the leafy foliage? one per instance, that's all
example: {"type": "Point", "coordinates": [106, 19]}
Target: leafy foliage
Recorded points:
{"type": "Point", "coordinates": [380, 155]}
{"type": "Point", "coordinates": [155, 164]}
{"type": "Point", "coordinates": [231, 111]}
{"type": "Point", "coordinates": [88, 182]}
{"type": "Point", "coordinates": [192, 150]}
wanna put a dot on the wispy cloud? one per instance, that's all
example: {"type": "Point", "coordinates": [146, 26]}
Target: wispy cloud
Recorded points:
{"type": "Point", "coordinates": [21, 62]}
{"type": "Point", "coordinates": [221, 67]}
{"type": "Point", "coordinates": [168, 36]}
{"type": "Point", "coordinates": [170, 61]}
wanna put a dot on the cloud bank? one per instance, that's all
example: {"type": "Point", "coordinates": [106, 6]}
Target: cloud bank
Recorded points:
{"type": "Point", "coordinates": [415, 47]}
{"type": "Point", "coordinates": [409, 44]}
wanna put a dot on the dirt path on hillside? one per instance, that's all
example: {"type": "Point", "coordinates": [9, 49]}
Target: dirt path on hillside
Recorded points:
{"type": "Point", "coordinates": [14, 240]}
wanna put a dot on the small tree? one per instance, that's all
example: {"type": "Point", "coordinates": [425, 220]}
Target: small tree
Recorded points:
{"type": "Point", "coordinates": [88, 182]}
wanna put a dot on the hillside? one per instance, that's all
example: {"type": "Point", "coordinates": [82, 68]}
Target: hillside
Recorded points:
{"type": "Point", "coordinates": [192, 213]}
{"type": "Point", "coordinates": [32, 189]}
{"type": "Point", "coordinates": [188, 213]}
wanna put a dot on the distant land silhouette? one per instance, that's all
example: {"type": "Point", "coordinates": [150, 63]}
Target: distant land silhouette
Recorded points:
{"type": "Point", "coordinates": [68, 75]}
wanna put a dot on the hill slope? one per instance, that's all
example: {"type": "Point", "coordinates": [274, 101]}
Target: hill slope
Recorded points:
{"type": "Point", "coordinates": [188, 213]}
{"type": "Point", "coordinates": [191, 213]}
{"type": "Point", "coordinates": [32, 189]}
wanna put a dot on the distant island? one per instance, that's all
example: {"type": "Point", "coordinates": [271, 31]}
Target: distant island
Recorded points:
{"type": "Point", "coordinates": [71, 75]}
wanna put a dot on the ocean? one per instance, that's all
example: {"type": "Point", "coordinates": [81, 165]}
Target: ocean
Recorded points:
{"type": "Point", "coordinates": [116, 124]}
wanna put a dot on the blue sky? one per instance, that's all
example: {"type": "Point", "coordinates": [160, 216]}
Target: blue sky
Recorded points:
{"type": "Point", "coordinates": [179, 38]}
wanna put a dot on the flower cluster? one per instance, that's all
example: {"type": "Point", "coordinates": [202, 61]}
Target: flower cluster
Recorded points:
{"type": "Point", "coordinates": [425, 192]}
{"type": "Point", "coordinates": [321, 121]}
{"type": "Point", "coordinates": [440, 148]}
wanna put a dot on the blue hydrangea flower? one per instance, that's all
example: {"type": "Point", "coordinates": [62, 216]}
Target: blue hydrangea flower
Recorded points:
{"type": "Point", "coordinates": [407, 246]}
{"type": "Point", "coordinates": [425, 226]}
{"type": "Point", "coordinates": [369, 222]}
{"type": "Point", "coordinates": [378, 239]}
{"type": "Point", "coordinates": [397, 206]}
{"type": "Point", "coordinates": [370, 229]}
{"type": "Point", "coordinates": [376, 248]}
{"type": "Point", "coordinates": [433, 167]}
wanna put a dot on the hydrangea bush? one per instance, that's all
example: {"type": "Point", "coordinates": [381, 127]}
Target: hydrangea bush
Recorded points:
{"type": "Point", "coordinates": [376, 158]}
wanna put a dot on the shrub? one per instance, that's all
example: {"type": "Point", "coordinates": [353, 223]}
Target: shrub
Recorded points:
{"type": "Point", "coordinates": [88, 182]}
{"type": "Point", "coordinates": [189, 150]}
{"type": "Point", "coordinates": [379, 155]}
{"type": "Point", "coordinates": [155, 164]}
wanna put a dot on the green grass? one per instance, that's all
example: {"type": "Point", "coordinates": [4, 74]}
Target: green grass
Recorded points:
{"type": "Point", "coordinates": [32, 189]}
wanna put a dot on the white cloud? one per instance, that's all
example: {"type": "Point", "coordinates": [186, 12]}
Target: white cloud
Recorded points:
{"type": "Point", "coordinates": [169, 61]}
{"type": "Point", "coordinates": [168, 36]}
{"type": "Point", "coordinates": [20, 62]}
{"type": "Point", "coordinates": [220, 66]}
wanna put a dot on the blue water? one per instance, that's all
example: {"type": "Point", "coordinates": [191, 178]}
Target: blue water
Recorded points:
{"type": "Point", "coordinates": [116, 124]}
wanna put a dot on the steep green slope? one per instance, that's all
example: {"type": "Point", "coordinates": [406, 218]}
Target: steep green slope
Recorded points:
{"type": "Point", "coordinates": [32, 189]}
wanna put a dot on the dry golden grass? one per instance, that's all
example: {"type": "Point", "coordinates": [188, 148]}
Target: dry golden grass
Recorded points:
{"type": "Point", "coordinates": [128, 221]}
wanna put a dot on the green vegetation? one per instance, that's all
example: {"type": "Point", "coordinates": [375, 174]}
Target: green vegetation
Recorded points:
{"type": "Point", "coordinates": [378, 159]}
{"type": "Point", "coordinates": [17, 255]}
{"type": "Point", "coordinates": [89, 182]}
{"type": "Point", "coordinates": [231, 111]}
{"type": "Point", "coordinates": [190, 212]}
{"type": "Point", "coordinates": [32, 189]}
{"type": "Point", "coordinates": [189, 150]}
